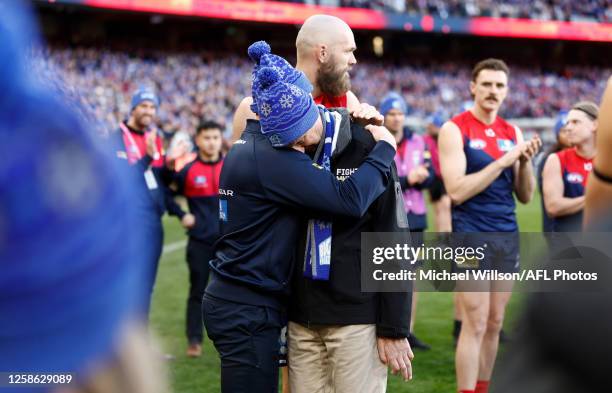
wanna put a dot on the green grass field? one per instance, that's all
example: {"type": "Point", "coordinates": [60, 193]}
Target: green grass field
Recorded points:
{"type": "Point", "coordinates": [433, 370]}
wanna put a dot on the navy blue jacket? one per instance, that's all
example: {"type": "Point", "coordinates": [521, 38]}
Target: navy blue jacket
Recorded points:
{"type": "Point", "coordinates": [265, 194]}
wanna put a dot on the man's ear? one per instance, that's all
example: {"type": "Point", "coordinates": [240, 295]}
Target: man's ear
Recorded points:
{"type": "Point", "coordinates": [322, 53]}
{"type": "Point", "coordinates": [472, 88]}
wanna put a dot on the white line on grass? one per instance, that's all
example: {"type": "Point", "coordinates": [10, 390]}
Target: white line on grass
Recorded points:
{"type": "Point", "coordinates": [168, 248]}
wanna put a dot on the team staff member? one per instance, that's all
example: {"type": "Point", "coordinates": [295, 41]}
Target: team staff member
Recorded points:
{"type": "Point", "coordinates": [140, 145]}
{"type": "Point", "coordinates": [484, 160]}
{"type": "Point", "coordinates": [416, 173]}
{"type": "Point", "coordinates": [325, 54]}
{"type": "Point", "coordinates": [565, 173]}
{"type": "Point", "coordinates": [266, 183]}
{"type": "Point", "coordinates": [198, 181]}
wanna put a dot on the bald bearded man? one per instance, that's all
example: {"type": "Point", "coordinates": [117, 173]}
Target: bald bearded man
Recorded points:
{"type": "Point", "coordinates": [325, 46]}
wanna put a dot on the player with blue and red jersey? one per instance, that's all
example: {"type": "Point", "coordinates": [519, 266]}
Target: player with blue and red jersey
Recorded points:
{"type": "Point", "coordinates": [565, 173]}
{"type": "Point", "coordinates": [484, 160]}
{"type": "Point", "coordinates": [198, 182]}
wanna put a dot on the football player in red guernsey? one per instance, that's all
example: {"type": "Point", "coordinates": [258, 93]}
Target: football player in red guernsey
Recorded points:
{"type": "Point", "coordinates": [565, 173]}
{"type": "Point", "coordinates": [484, 160]}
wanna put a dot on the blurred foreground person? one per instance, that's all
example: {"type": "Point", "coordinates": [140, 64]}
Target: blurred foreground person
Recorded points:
{"type": "Point", "coordinates": [71, 275]}
{"type": "Point", "coordinates": [548, 361]}
{"type": "Point", "coordinates": [599, 189]}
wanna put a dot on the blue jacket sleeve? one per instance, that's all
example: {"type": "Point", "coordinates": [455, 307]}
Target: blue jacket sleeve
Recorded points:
{"type": "Point", "coordinates": [291, 178]}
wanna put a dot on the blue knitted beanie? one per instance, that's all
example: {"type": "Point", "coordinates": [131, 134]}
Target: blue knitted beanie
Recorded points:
{"type": "Point", "coordinates": [286, 111]}
{"type": "Point", "coordinates": [260, 53]}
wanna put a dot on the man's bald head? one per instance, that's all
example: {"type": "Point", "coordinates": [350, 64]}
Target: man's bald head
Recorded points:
{"type": "Point", "coordinates": [325, 46]}
{"type": "Point", "coordinates": [323, 30]}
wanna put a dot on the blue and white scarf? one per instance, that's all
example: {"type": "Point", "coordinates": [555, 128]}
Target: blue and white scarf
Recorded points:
{"type": "Point", "coordinates": [317, 259]}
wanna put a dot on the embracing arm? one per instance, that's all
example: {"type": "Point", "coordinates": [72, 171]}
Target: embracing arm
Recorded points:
{"type": "Point", "coordinates": [242, 114]}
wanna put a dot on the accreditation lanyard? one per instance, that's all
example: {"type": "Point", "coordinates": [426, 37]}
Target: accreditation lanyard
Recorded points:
{"type": "Point", "coordinates": [134, 155]}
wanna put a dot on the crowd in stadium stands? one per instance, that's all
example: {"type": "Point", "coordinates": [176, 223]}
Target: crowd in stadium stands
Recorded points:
{"type": "Point", "coordinates": [598, 10]}
{"type": "Point", "coordinates": [208, 85]}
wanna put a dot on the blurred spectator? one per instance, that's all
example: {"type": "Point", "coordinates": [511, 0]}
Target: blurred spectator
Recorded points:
{"type": "Point", "coordinates": [594, 10]}
{"type": "Point", "coordinates": [196, 85]}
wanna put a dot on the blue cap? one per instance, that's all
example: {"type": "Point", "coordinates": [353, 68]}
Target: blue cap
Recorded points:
{"type": "Point", "coordinates": [144, 94]}
{"type": "Point", "coordinates": [393, 101]}
{"type": "Point", "coordinates": [437, 119]}
{"type": "Point", "coordinates": [71, 275]}
{"type": "Point", "coordinates": [560, 121]}
{"type": "Point", "coordinates": [286, 111]}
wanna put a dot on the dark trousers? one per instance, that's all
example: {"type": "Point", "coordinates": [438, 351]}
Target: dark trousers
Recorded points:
{"type": "Point", "coordinates": [199, 254]}
{"type": "Point", "coordinates": [154, 241]}
{"type": "Point", "coordinates": [247, 339]}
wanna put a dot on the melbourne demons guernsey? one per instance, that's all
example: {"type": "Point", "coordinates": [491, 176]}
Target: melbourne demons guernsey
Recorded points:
{"type": "Point", "coordinates": [198, 181]}
{"type": "Point", "coordinates": [574, 171]}
{"type": "Point", "coordinates": [493, 209]}
{"type": "Point", "coordinates": [331, 102]}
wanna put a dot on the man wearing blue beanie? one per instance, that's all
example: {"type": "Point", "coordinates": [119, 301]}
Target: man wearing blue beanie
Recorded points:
{"type": "Point", "coordinates": [262, 190]}
{"type": "Point", "coordinates": [71, 275]}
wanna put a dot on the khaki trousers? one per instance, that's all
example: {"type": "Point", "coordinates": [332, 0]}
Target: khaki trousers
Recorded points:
{"type": "Point", "coordinates": [335, 359]}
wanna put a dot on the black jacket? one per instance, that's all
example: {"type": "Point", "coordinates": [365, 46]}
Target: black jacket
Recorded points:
{"type": "Point", "coordinates": [340, 301]}
{"type": "Point", "coordinates": [263, 194]}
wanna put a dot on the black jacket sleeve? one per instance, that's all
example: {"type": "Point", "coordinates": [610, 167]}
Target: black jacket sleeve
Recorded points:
{"type": "Point", "coordinates": [394, 308]}
{"type": "Point", "coordinates": [177, 179]}
{"type": "Point", "coordinates": [292, 179]}
{"type": "Point", "coordinates": [165, 176]}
